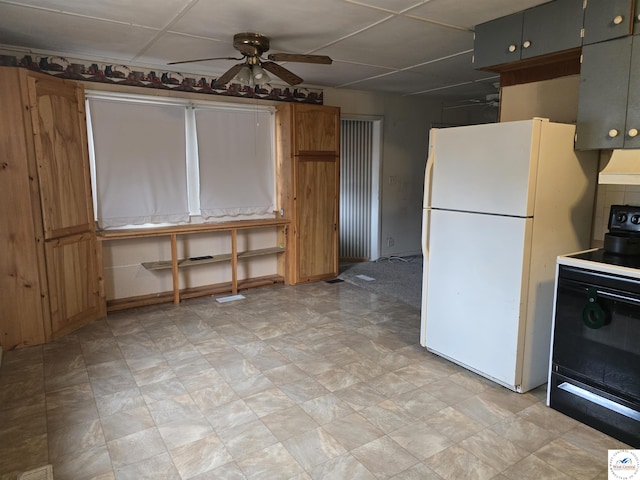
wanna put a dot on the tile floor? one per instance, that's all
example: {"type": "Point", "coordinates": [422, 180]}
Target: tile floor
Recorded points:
{"type": "Point", "coordinates": [319, 381]}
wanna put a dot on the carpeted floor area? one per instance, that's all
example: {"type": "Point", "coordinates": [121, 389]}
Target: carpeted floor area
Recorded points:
{"type": "Point", "coordinates": [397, 277]}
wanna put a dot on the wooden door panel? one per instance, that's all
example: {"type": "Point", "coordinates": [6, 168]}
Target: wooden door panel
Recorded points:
{"type": "Point", "coordinates": [72, 271]}
{"type": "Point", "coordinates": [316, 198]}
{"type": "Point", "coordinates": [62, 156]}
{"type": "Point", "coordinates": [317, 130]}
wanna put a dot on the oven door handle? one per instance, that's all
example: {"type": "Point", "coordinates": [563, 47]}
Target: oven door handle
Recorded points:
{"type": "Point", "coordinates": [617, 296]}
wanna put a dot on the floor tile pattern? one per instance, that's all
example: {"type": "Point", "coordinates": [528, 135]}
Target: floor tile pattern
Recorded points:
{"type": "Point", "coordinates": [318, 381]}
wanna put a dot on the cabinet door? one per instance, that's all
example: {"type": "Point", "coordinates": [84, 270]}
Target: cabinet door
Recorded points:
{"type": "Point", "coordinates": [74, 290]}
{"type": "Point", "coordinates": [632, 125]}
{"type": "Point", "coordinates": [602, 102]}
{"type": "Point", "coordinates": [498, 41]}
{"type": "Point", "coordinates": [607, 19]}
{"type": "Point", "coordinates": [61, 151]}
{"type": "Point", "coordinates": [552, 27]}
{"type": "Point", "coordinates": [317, 210]}
{"type": "Point", "coordinates": [316, 130]}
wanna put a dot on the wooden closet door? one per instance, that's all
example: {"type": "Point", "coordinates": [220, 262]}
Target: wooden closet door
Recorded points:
{"type": "Point", "coordinates": [74, 287]}
{"type": "Point", "coordinates": [71, 250]}
{"type": "Point", "coordinates": [317, 130]}
{"type": "Point", "coordinates": [60, 141]}
{"type": "Point", "coordinates": [317, 210]}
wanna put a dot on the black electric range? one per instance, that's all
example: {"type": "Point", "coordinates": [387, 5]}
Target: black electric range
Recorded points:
{"type": "Point", "coordinates": [595, 354]}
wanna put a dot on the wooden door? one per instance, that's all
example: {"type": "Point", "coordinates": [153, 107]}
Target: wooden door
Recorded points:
{"type": "Point", "coordinates": [23, 290]}
{"type": "Point", "coordinates": [316, 130]}
{"type": "Point", "coordinates": [317, 210]}
{"type": "Point", "coordinates": [73, 271]}
{"type": "Point", "coordinates": [60, 141]}
{"type": "Point", "coordinates": [74, 287]}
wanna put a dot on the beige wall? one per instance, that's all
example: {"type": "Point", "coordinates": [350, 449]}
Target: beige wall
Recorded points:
{"type": "Point", "coordinates": [555, 99]}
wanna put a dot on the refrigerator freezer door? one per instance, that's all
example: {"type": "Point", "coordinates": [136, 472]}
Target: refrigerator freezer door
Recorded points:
{"type": "Point", "coordinates": [486, 168]}
{"type": "Point", "coordinates": [474, 311]}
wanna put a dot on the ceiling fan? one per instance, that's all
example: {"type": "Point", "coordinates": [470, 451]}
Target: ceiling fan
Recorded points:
{"type": "Point", "coordinates": [252, 46]}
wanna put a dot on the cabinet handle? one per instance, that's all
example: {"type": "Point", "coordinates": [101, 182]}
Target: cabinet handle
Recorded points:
{"type": "Point", "coordinates": [618, 20]}
{"type": "Point", "coordinates": [526, 44]}
{"type": "Point", "coordinates": [613, 133]}
{"type": "Point", "coordinates": [512, 48]}
{"type": "Point", "coordinates": [632, 132]}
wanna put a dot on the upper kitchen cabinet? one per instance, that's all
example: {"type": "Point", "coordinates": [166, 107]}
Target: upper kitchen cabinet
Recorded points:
{"type": "Point", "coordinates": [50, 275]}
{"type": "Point", "coordinates": [607, 19]}
{"type": "Point", "coordinates": [609, 99]}
{"type": "Point", "coordinates": [548, 28]}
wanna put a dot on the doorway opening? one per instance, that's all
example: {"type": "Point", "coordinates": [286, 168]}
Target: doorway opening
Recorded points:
{"type": "Point", "coordinates": [360, 152]}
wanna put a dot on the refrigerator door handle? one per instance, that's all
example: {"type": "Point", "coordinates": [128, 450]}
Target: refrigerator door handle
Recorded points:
{"type": "Point", "coordinates": [428, 171]}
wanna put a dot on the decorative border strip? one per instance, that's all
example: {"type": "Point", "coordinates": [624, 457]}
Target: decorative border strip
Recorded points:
{"type": "Point", "coordinates": [89, 71]}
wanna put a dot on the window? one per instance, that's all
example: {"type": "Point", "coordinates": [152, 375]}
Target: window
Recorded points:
{"type": "Point", "coordinates": [173, 161]}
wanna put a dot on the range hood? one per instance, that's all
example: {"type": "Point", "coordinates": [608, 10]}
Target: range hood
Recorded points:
{"type": "Point", "coordinates": [623, 168]}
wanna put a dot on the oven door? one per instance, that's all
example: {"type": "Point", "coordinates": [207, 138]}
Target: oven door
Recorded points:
{"type": "Point", "coordinates": [596, 351]}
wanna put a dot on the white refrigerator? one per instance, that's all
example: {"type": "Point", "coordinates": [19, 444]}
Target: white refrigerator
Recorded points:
{"type": "Point", "coordinates": [501, 202]}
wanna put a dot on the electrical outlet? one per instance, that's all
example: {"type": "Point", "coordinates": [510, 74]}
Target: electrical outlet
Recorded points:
{"type": "Point", "coordinates": [393, 179]}
{"type": "Point", "coordinates": [390, 242]}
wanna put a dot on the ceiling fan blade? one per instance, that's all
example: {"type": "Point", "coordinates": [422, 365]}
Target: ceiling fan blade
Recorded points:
{"type": "Point", "coordinates": [204, 60]}
{"type": "Point", "coordinates": [279, 71]}
{"type": "Point", "coordinates": [295, 57]}
{"type": "Point", "coordinates": [227, 76]}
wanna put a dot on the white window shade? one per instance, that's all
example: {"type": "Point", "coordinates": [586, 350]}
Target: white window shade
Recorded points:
{"type": "Point", "coordinates": [140, 162]}
{"type": "Point", "coordinates": [236, 162]}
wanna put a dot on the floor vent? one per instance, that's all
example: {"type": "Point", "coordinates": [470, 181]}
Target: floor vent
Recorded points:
{"type": "Point", "coordinates": [335, 280]}
{"type": "Point", "coordinates": [42, 473]}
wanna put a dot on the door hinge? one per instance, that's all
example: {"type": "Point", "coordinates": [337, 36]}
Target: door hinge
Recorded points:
{"type": "Point", "coordinates": [582, 32]}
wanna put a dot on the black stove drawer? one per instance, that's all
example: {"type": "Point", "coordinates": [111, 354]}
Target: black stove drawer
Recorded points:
{"type": "Point", "coordinates": [595, 408]}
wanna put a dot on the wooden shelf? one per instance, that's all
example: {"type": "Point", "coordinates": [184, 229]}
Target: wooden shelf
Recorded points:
{"type": "Point", "coordinates": [175, 263]}
{"type": "Point", "coordinates": [260, 251]}
{"type": "Point", "coordinates": [225, 257]}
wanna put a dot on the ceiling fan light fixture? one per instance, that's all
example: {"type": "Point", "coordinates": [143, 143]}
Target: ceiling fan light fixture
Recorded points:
{"type": "Point", "coordinates": [244, 76]}
{"type": "Point", "coordinates": [259, 75]}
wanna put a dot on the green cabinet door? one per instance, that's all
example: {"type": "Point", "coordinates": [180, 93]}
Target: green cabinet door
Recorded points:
{"type": "Point", "coordinates": [552, 27]}
{"type": "Point", "coordinates": [498, 41]}
{"type": "Point", "coordinates": [607, 19]}
{"type": "Point", "coordinates": [604, 86]}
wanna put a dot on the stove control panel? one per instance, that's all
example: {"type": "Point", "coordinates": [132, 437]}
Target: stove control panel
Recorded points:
{"type": "Point", "coordinates": [624, 218]}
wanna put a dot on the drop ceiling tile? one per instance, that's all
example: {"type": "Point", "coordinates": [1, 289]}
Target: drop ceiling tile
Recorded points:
{"type": "Point", "coordinates": [150, 13]}
{"type": "Point", "coordinates": [333, 75]}
{"type": "Point", "coordinates": [391, 5]}
{"type": "Point", "coordinates": [407, 42]}
{"type": "Point", "coordinates": [455, 69]}
{"type": "Point", "coordinates": [171, 47]}
{"type": "Point", "coordinates": [396, 83]}
{"type": "Point", "coordinates": [476, 90]}
{"type": "Point", "coordinates": [299, 26]}
{"type": "Point", "coordinates": [71, 35]}
{"type": "Point", "coordinates": [469, 13]}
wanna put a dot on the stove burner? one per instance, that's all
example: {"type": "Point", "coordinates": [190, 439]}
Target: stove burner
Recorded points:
{"type": "Point", "coordinates": [623, 237]}
{"type": "Point", "coordinates": [622, 243]}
